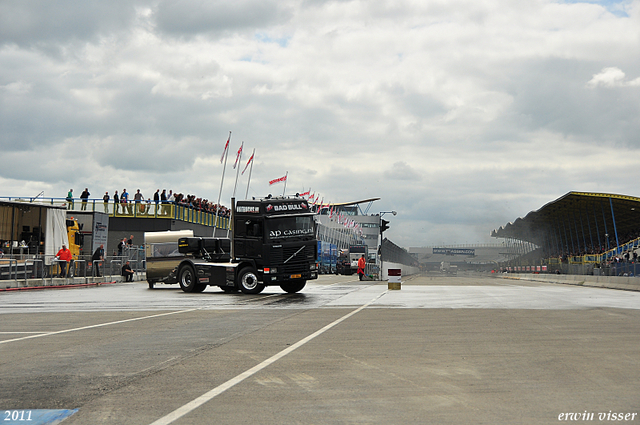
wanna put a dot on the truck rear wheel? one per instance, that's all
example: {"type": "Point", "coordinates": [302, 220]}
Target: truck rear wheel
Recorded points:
{"type": "Point", "coordinates": [293, 287]}
{"type": "Point", "coordinates": [187, 279]}
{"type": "Point", "coordinates": [248, 281]}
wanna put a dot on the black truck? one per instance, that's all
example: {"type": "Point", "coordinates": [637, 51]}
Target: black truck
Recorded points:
{"type": "Point", "coordinates": [273, 242]}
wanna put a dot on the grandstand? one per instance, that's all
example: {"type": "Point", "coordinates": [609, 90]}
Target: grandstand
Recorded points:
{"type": "Point", "coordinates": [578, 233]}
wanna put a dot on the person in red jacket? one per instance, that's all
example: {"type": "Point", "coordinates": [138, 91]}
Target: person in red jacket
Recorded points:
{"type": "Point", "coordinates": [361, 265]}
{"type": "Point", "coordinates": [64, 255]}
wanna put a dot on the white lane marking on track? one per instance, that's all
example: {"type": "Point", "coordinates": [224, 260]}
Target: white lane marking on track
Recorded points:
{"type": "Point", "coordinates": [208, 396]}
{"type": "Point", "coordinates": [264, 297]}
{"type": "Point", "coordinates": [99, 325]}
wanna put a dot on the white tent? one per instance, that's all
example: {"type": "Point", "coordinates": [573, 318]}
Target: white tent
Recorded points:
{"type": "Point", "coordinates": [55, 233]}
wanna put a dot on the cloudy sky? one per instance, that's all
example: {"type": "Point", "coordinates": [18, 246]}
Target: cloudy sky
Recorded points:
{"type": "Point", "coordinates": [461, 115]}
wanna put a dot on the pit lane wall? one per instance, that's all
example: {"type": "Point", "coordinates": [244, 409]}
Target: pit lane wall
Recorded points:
{"type": "Point", "coordinates": [406, 270]}
{"type": "Point", "coordinates": [611, 282]}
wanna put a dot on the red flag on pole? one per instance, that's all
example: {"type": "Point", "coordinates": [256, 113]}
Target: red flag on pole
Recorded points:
{"type": "Point", "coordinates": [248, 162]}
{"type": "Point", "coordinates": [238, 156]}
{"type": "Point", "coordinates": [281, 179]}
{"type": "Point", "coordinates": [226, 146]}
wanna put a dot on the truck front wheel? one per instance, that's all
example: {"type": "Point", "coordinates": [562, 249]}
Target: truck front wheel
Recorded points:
{"type": "Point", "coordinates": [248, 281]}
{"type": "Point", "coordinates": [187, 278]}
{"type": "Point", "coordinates": [293, 287]}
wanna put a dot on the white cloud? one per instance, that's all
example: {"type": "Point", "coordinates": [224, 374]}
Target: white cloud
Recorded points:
{"type": "Point", "coordinates": [612, 77]}
{"type": "Point", "coordinates": [17, 88]}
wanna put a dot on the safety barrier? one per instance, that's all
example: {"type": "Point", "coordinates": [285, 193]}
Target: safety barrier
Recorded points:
{"type": "Point", "coordinates": [34, 262]}
{"type": "Point", "coordinates": [119, 267]}
{"type": "Point", "coordinates": [72, 269]}
{"type": "Point", "coordinates": [46, 268]}
{"type": "Point", "coordinates": [599, 281]}
{"type": "Point", "coordinates": [12, 262]}
{"type": "Point", "coordinates": [372, 270]}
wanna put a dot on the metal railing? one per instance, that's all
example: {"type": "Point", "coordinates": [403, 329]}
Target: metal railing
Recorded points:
{"type": "Point", "coordinates": [23, 268]}
{"type": "Point", "coordinates": [12, 262]}
{"type": "Point", "coordinates": [372, 270]}
{"type": "Point", "coordinates": [73, 268]}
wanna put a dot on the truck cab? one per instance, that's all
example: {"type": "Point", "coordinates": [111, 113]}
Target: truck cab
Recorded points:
{"type": "Point", "coordinates": [277, 238]}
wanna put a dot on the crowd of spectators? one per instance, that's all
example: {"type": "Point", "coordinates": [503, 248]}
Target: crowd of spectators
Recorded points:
{"type": "Point", "coordinates": [191, 201]}
{"type": "Point", "coordinates": [605, 246]}
{"type": "Point", "coordinates": [160, 199]}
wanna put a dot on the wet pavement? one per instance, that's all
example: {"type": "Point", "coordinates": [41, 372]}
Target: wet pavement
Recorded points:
{"type": "Point", "coordinates": [328, 291]}
{"type": "Point", "coordinates": [446, 350]}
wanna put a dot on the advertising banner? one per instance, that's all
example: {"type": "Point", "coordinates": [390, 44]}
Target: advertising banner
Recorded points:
{"type": "Point", "coordinates": [100, 230]}
{"type": "Point", "coordinates": [454, 251]}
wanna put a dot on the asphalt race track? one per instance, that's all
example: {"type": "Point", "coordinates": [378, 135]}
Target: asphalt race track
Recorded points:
{"type": "Point", "coordinates": [443, 350]}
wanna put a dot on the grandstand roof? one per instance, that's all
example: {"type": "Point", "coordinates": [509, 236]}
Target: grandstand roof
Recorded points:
{"type": "Point", "coordinates": [580, 216]}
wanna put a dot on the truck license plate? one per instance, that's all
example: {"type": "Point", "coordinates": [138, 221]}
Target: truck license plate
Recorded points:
{"type": "Point", "coordinates": [296, 276]}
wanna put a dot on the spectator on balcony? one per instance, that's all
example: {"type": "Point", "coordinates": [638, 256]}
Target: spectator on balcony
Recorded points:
{"type": "Point", "coordinates": [105, 199]}
{"type": "Point", "coordinates": [138, 198]}
{"type": "Point", "coordinates": [116, 203]}
{"type": "Point", "coordinates": [171, 198]}
{"type": "Point", "coordinates": [69, 199]}
{"type": "Point", "coordinates": [85, 197]}
{"type": "Point", "coordinates": [124, 200]}
{"type": "Point", "coordinates": [163, 200]}
{"type": "Point", "coordinates": [156, 199]}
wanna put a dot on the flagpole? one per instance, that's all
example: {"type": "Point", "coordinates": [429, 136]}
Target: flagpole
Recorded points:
{"type": "Point", "coordinates": [285, 183]}
{"type": "Point", "coordinates": [237, 166]}
{"type": "Point", "coordinates": [215, 223]}
{"type": "Point", "coordinates": [246, 195]}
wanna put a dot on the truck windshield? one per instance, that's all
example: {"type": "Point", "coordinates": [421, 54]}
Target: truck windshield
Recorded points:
{"type": "Point", "coordinates": [298, 227]}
